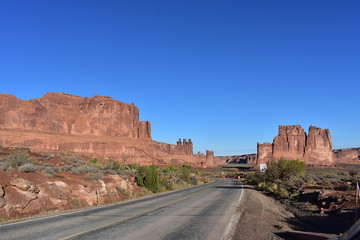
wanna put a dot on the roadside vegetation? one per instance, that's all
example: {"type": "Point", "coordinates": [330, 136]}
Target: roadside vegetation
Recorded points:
{"type": "Point", "coordinates": [281, 177]}
{"type": "Point", "coordinates": [286, 178]}
{"type": "Point", "coordinates": [51, 165]}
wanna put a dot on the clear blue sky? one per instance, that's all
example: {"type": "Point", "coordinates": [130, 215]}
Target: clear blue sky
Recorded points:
{"type": "Point", "coordinates": [224, 73]}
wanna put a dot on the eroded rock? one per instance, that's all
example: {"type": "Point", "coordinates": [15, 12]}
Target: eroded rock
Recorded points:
{"type": "Point", "coordinates": [24, 185]}
{"type": "Point", "coordinates": [293, 143]}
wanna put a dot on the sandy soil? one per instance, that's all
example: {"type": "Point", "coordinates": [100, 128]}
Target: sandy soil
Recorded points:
{"type": "Point", "coordinates": [261, 217]}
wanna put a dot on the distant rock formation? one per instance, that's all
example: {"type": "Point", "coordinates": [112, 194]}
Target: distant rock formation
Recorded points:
{"type": "Point", "coordinates": [243, 159]}
{"type": "Point", "coordinates": [348, 155]}
{"type": "Point", "coordinates": [65, 113]}
{"type": "Point", "coordinates": [184, 147]}
{"type": "Point", "coordinates": [293, 143]}
{"type": "Point", "coordinates": [98, 126]}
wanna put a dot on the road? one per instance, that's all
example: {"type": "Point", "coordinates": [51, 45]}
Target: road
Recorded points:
{"type": "Point", "coordinates": [201, 212]}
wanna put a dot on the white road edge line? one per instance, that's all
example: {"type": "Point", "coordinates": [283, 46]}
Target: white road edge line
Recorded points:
{"type": "Point", "coordinates": [234, 219]}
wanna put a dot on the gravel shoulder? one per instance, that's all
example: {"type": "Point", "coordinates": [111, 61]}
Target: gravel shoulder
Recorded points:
{"type": "Point", "coordinates": [261, 217]}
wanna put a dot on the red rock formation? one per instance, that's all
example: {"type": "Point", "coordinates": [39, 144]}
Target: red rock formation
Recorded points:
{"type": "Point", "coordinates": [99, 126]}
{"type": "Point", "coordinates": [290, 143]}
{"type": "Point", "coordinates": [293, 143]}
{"type": "Point", "coordinates": [243, 159]}
{"type": "Point", "coordinates": [348, 155]}
{"type": "Point", "coordinates": [64, 113]}
{"type": "Point", "coordinates": [264, 153]}
{"type": "Point", "coordinates": [209, 158]}
{"type": "Point", "coordinates": [318, 150]}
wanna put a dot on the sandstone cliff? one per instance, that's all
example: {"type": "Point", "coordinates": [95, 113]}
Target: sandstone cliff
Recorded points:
{"type": "Point", "coordinates": [243, 159]}
{"type": "Point", "coordinates": [348, 155]}
{"type": "Point", "coordinates": [64, 113]}
{"type": "Point", "coordinates": [99, 126]}
{"type": "Point", "coordinates": [293, 143]}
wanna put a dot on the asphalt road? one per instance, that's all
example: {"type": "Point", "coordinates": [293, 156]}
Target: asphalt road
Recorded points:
{"type": "Point", "coordinates": [202, 212]}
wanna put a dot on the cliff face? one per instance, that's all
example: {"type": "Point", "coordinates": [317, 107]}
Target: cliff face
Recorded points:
{"type": "Point", "coordinates": [64, 113]}
{"type": "Point", "coordinates": [290, 143]}
{"type": "Point", "coordinates": [293, 143]}
{"type": "Point", "coordinates": [98, 126]}
{"type": "Point", "coordinates": [348, 155]}
{"type": "Point", "coordinates": [243, 159]}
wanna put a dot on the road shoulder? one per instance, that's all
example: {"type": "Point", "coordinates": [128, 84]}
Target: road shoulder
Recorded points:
{"type": "Point", "coordinates": [261, 217]}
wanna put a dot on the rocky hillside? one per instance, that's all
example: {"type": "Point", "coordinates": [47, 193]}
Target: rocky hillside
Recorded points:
{"type": "Point", "coordinates": [32, 182]}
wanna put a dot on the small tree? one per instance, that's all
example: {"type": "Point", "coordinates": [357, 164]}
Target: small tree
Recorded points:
{"type": "Point", "coordinates": [283, 169]}
{"type": "Point", "coordinates": [148, 176]}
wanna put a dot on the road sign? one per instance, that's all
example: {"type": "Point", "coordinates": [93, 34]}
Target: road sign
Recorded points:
{"type": "Point", "coordinates": [263, 167]}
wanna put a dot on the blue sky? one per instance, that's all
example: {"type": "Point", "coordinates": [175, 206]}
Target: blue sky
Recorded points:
{"type": "Point", "coordinates": [224, 73]}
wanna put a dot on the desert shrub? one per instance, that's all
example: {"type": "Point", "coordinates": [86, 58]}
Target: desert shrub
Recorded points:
{"type": "Point", "coordinates": [133, 166]}
{"type": "Point", "coordinates": [48, 156]}
{"type": "Point", "coordinates": [254, 177]}
{"type": "Point", "coordinates": [283, 169]}
{"type": "Point", "coordinates": [76, 203]}
{"type": "Point", "coordinates": [27, 149]}
{"type": "Point", "coordinates": [74, 170]}
{"type": "Point", "coordinates": [28, 168]}
{"type": "Point", "coordinates": [353, 173]}
{"type": "Point", "coordinates": [4, 164]}
{"type": "Point", "coordinates": [122, 190]}
{"type": "Point", "coordinates": [93, 176]}
{"type": "Point", "coordinates": [148, 176]}
{"type": "Point", "coordinates": [91, 169]}
{"type": "Point", "coordinates": [19, 159]}
{"type": "Point", "coordinates": [187, 175]}
{"type": "Point", "coordinates": [110, 171]}
{"type": "Point", "coordinates": [93, 161]}
{"type": "Point", "coordinates": [113, 165]}
{"type": "Point", "coordinates": [47, 175]}
{"type": "Point", "coordinates": [50, 170]}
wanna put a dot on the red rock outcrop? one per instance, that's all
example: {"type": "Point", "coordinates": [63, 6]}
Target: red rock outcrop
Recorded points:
{"type": "Point", "coordinates": [293, 143]}
{"type": "Point", "coordinates": [99, 126]}
{"type": "Point", "coordinates": [243, 159]}
{"type": "Point", "coordinates": [348, 155]}
{"type": "Point", "coordinates": [64, 113]}
{"type": "Point", "coordinates": [26, 194]}
{"type": "Point", "coordinates": [290, 143]}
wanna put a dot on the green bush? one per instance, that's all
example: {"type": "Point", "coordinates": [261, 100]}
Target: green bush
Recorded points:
{"type": "Point", "coordinates": [28, 168]}
{"type": "Point", "coordinates": [19, 159]}
{"type": "Point", "coordinates": [76, 203]}
{"type": "Point", "coordinates": [93, 176]}
{"type": "Point", "coordinates": [283, 169]}
{"type": "Point", "coordinates": [122, 190]}
{"type": "Point", "coordinates": [4, 164]}
{"type": "Point", "coordinates": [148, 176]}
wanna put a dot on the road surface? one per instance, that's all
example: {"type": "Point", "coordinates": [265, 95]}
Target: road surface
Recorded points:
{"type": "Point", "coordinates": [202, 212]}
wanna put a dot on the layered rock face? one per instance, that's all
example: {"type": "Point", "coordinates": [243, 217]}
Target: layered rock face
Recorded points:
{"type": "Point", "coordinates": [64, 113]}
{"type": "Point", "coordinates": [290, 143]}
{"type": "Point", "coordinates": [348, 155]}
{"type": "Point", "coordinates": [293, 143]}
{"type": "Point", "coordinates": [98, 126]}
{"type": "Point", "coordinates": [243, 159]}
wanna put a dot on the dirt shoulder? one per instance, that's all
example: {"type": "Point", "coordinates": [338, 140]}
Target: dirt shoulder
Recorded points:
{"type": "Point", "coordinates": [261, 217]}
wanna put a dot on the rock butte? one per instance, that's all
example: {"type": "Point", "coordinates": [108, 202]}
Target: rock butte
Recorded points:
{"type": "Point", "coordinates": [99, 126]}
{"type": "Point", "coordinates": [293, 143]}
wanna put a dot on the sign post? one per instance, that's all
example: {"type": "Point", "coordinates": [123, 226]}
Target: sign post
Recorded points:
{"type": "Point", "coordinates": [263, 168]}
